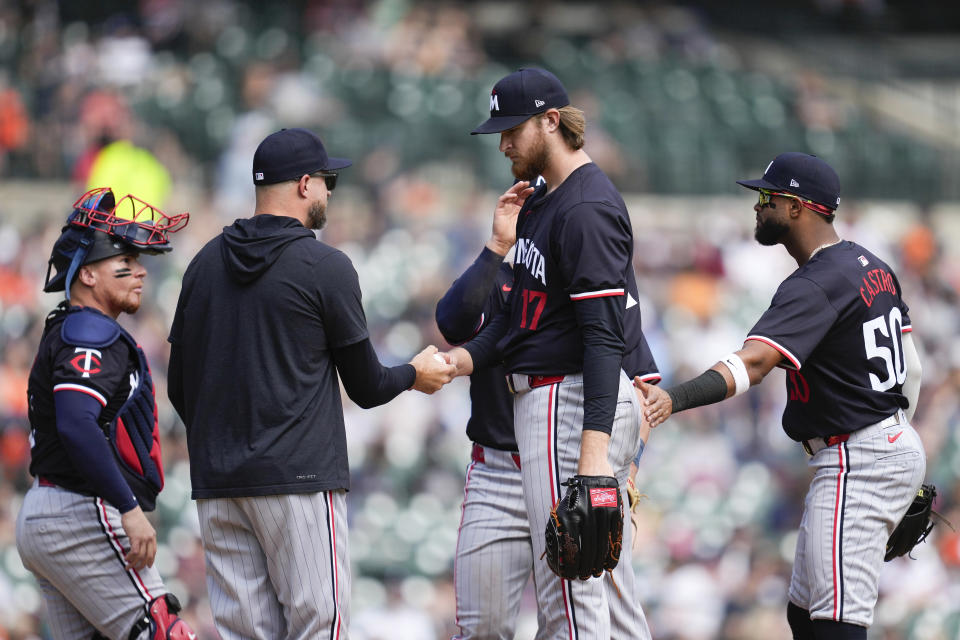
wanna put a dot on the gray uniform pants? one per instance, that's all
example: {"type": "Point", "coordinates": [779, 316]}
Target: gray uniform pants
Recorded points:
{"type": "Point", "coordinates": [860, 490]}
{"type": "Point", "coordinates": [548, 421]}
{"type": "Point", "coordinates": [75, 546]}
{"type": "Point", "coordinates": [494, 551]}
{"type": "Point", "coordinates": [278, 566]}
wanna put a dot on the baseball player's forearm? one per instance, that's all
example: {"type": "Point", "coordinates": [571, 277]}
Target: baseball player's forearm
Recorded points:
{"type": "Point", "coordinates": [911, 387]}
{"type": "Point", "coordinates": [593, 454]}
{"type": "Point", "coordinates": [601, 323]}
{"type": "Point", "coordinates": [365, 379]}
{"type": "Point", "coordinates": [483, 348]}
{"type": "Point", "coordinates": [89, 451]}
{"type": "Point", "coordinates": [460, 310]}
{"type": "Point", "coordinates": [750, 365]}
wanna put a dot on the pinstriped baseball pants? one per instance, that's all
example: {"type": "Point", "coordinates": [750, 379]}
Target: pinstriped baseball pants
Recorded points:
{"type": "Point", "coordinates": [74, 545]}
{"type": "Point", "coordinates": [278, 566]}
{"type": "Point", "coordinates": [860, 490]}
{"type": "Point", "coordinates": [548, 421]}
{"type": "Point", "coordinates": [494, 553]}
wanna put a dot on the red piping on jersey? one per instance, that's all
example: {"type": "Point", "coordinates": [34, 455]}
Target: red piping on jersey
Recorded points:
{"type": "Point", "coordinates": [783, 352]}
{"type": "Point", "coordinates": [81, 389]}
{"type": "Point", "coordinates": [599, 294]}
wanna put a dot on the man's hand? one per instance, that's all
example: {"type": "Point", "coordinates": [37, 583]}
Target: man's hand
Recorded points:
{"type": "Point", "coordinates": [462, 359]}
{"type": "Point", "coordinates": [505, 217]}
{"type": "Point", "coordinates": [433, 370]}
{"type": "Point", "coordinates": [656, 403]}
{"type": "Point", "coordinates": [143, 539]}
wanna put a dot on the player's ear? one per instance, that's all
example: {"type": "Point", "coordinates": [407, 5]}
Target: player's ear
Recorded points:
{"type": "Point", "coordinates": [87, 276]}
{"type": "Point", "coordinates": [551, 120]}
{"type": "Point", "coordinates": [796, 207]}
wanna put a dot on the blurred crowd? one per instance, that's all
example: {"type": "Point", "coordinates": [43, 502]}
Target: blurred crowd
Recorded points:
{"type": "Point", "coordinates": [183, 92]}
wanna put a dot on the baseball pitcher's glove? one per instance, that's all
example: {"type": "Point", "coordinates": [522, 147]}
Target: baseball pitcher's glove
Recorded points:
{"type": "Point", "coordinates": [585, 529]}
{"type": "Point", "coordinates": [915, 525]}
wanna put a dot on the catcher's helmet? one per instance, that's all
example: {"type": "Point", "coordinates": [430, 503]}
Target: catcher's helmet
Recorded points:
{"type": "Point", "coordinates": [100, 227]}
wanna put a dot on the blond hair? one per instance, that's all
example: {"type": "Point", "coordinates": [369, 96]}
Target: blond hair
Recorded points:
{"type": "Point", "coordinates": [572, 126]}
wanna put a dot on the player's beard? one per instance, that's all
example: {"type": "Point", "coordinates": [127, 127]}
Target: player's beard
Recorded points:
{"type": "Point", "coordinates": [534, 162]}
{"type": "Point", "coordinates": [770, 231]}
{"type": "Point", "coordinates": [128, 302]}
{"type": "Point", "coordinates": [317, 216]}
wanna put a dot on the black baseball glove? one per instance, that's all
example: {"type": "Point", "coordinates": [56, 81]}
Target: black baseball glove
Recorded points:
{"type": "Point", "coordinates": [915, 525]}
{"type": "Point", "coordinates": [585, 529]}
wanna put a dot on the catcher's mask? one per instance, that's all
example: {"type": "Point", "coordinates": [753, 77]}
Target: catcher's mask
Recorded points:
{"type": "Point", "coordinates": [101, 227]}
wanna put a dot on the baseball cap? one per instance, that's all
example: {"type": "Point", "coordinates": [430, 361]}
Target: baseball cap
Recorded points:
{"type": "Point", "coordinates": [291, 153]}
{"type": "Point", "coordinates": [802, 175]}
{"type": "Point", "coordinates": [520, 96]}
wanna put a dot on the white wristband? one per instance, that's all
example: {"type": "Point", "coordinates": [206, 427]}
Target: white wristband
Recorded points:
{"type": "Point", "coordinates": [739, 372]}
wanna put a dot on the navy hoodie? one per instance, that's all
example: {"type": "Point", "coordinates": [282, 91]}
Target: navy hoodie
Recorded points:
{"type": "Point", "coordinates": [251, 374]}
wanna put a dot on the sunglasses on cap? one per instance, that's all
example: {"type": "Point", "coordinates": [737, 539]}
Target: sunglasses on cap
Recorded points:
{"type": "Point", "coordinates": [329, 178]}
{"type": "Point", "coordinates": [766, 195]}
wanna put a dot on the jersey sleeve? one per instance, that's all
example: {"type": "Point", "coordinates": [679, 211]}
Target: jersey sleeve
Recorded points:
{"type": "Point", "coordinates": [472, 299]}
{"type": "Point", "coordinates": [95, 371]}
{"type": "Point", "coordinates": [339, 292]}
{"type": "Point", "coordinates": [796, 321]}
{"type": "Point", "coordinates": [594, 242]}
{"type": "Point", "coordinates": [907, 326]}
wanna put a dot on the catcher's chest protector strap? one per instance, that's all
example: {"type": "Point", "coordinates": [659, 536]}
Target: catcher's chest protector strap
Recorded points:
{"type": "Point", "coordinates": [136, 436]}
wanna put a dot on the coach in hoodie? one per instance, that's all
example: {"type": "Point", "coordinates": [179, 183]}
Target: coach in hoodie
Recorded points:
{"type": "Point", "coordinates": [267, 317]}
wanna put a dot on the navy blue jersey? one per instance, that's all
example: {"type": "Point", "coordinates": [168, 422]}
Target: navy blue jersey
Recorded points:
{"type": "Point", "coordinates": [104, 373]}
{"type": "Point", "coordinates": [837, 321]}
{"type": "Point", "coordinates": [573, 244]}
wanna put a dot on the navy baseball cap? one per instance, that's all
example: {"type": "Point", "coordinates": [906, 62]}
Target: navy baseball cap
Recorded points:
{"type": "Point", "coordinates": [289, 154]}
{"type": "Point", "coordinates": [520, 96]}
{"type": "Point", "coordinates": [802, 175]}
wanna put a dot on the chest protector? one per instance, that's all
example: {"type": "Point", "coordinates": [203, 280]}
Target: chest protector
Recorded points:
{"type": "Point", "coordinates": [133, 433]}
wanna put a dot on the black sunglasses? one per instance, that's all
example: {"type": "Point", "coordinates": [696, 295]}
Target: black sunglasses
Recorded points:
{"type": "Point", "coordinates": [329, 178]}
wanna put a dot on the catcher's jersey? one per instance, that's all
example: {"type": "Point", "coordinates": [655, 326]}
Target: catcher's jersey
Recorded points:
{"type": "Point", "coordinates": [837, 321]}
{"type": "Point", "coordinates": [105, 373]}
{"type": "Point", "coordinates": [572, 244]}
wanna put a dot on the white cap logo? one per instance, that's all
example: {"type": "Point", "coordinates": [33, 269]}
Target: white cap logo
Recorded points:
{"type": "Point", "coordinates": [794, 183]}
{"type": "Point", "coordinates": [494, 105]}
{"type": "Point", "coordinates": [539, 103]}
{"type": "Point", "coordinates": [259, 175]}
